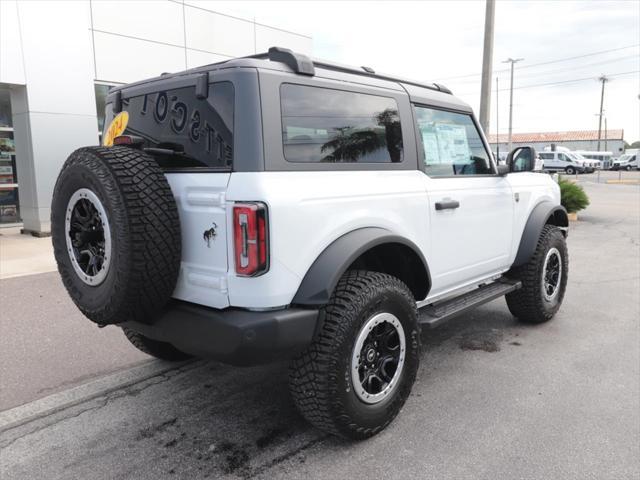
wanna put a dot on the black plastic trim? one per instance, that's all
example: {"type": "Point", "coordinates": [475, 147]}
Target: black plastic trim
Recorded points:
{"type": "Point", "coordinates": [297, 62]}
{"type": "Point", "coordinates": [116, 103]}
{"type": "Point", "coordinates": [474, 120]}
{"type": "Point", "coordinates": [323, 275]}
{"type": "Point", "coordinates": [202, 86]}
{"type": "Point", "coordinates": [235, 336]}
{"type": "Point", "coordinates": [538, 218]}
{"type": "Point", "coordinates": [434, 315]}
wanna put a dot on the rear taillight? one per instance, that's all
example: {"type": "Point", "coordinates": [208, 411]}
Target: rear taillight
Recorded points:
{"type": "Point", "coordinates": [130, 140]}
{"type": "Point", "coordinates": [250, 238]}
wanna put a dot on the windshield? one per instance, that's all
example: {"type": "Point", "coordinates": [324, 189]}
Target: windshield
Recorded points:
{"type": "Point", "coordinates": [624, 158]}
{"type": "Point", "coordinates": [575, 156]}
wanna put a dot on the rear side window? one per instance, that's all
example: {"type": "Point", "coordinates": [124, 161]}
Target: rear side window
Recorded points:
{"type": "Point", "coordinates": [452, 144]}
{"type": "Point", "coordinates": [546, 156]}
{"type": "Point", "coordinates": [336, 126]}
{"type": "Point", "coordinates": [199, 132]}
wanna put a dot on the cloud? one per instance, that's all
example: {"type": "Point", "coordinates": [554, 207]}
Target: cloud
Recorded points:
{"type": "Point", "coordinates": [435, 39]}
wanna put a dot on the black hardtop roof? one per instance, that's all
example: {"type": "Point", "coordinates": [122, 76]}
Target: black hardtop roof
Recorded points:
{"type": "Point", "coordinates": [285, 60]}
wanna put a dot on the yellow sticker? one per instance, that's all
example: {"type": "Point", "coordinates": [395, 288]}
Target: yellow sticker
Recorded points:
{"type": "Point", "coordinates": [116, 128]}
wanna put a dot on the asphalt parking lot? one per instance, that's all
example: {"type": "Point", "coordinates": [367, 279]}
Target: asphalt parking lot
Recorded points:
{"type": "Point", "coordinates": [494, 399]}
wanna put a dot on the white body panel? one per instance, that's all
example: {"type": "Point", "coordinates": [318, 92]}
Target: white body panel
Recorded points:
{"type": "Point", "coordinates": [530, 189]}
{"type": "Point", "coordinates": [200, 198]}
{"type": "Point", "coordinates": [309, 210]}
{"type": "Point", "coordinates": [474, 240]}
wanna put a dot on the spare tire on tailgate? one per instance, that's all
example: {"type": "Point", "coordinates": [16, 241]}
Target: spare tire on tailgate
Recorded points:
{"type": "Point", "coordinates": [116, 234]}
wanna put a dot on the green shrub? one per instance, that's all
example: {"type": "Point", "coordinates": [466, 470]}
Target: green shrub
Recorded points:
{"type": "Point", "coordinates": [572, 196]}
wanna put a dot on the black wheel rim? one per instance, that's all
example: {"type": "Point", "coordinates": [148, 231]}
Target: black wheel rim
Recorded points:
{"type": "Point", "coordinates": [88, 237]}
{"type": "Point", "coordinates": [551, 274]}
{"type": "Point", "coordinates": [378, 358]}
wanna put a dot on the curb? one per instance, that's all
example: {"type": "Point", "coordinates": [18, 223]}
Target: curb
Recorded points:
{"type": "Point", "coordinates": [623, 182]}
{"type": "Point", "coordinates": [56, 402]}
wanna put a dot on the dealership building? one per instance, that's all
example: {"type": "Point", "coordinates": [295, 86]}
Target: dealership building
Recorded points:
{"type": "Point", "coordinates": [58, 60]}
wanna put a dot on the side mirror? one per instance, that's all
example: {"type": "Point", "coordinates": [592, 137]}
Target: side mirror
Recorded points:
{"type": "Point", "coordinates": [522, 159]}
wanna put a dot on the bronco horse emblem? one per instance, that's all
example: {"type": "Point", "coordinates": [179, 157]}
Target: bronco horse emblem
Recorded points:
{"type": "Point", "coordinates": [210, 234]}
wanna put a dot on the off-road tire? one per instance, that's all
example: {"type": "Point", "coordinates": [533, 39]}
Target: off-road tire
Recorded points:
{"type": "Point", "coordinates": [161, 350]}
{"type": "Point", "coordinates": [320, 377]}
{"type": "Point", "coordinates": [145, 233]}
{"type": "Point", "coordinates": [528, 304]}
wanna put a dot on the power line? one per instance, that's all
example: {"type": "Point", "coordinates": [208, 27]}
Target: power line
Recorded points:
{"type": "Point", "coordinates": [558, 83]}
{"type": "Point", "coordinates": [552, 72]}
{"type": "Point", "coordinates": [573, 81]}
{"type": "Point", "coordinates": [565, 59]}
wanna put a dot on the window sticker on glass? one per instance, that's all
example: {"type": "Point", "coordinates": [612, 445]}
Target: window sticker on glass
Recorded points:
{"type": "Point", "coordinates": [451, 144]}
{"type": "Point", "coordinates": [452, 140]}
{"type": "Point", "coordinates": [430, 142]}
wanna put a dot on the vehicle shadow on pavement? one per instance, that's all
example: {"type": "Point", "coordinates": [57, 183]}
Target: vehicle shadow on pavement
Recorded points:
{"type": "Point", "coordinates": [241, 422]}
{"type": "Point", "coordinates": [209, 420]}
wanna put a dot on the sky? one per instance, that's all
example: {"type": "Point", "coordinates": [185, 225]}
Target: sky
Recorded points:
{"type": "Point", "coordinates": [443, 41]}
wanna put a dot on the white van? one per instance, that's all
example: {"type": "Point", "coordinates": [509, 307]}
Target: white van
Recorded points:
{"type": "Point", "coordinates": [562, 161]}
{"type": "Point", "coordinates": [628, 161]}
{"type": "Point", "coordinates": [604, 159]}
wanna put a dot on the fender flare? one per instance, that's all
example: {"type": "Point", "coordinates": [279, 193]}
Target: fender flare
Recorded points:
{"type": "Point", "coordinates": [325, 272]}
{"type": "Point", "coordinates": [543, 213]}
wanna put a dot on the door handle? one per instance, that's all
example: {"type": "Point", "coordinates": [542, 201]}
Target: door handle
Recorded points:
{"type": "Point", "coordinates": [447, 204]}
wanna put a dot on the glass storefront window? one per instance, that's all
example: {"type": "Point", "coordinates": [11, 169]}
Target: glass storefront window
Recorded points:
{"type": "Point", "coordinates": [5, 109]}
{"type": "Point", "coordinates": [9, 206]}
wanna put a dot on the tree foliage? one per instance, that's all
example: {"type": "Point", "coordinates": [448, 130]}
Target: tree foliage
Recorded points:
{"type": "Point", "coordinates": [351, 143]}
{"type": "Point", "coordinates": [572, 196]}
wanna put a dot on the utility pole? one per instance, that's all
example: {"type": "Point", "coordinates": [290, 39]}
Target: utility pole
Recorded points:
{"type": "Point", "coordinates": [605, 134]}
{"type": "Point", "coordinates": [604, 80]}
{"type": "Point", "coordinates": [487, 62]}
{"type": "Point", "coordinates": [497, 125]}
{"type": "Point", "coordinates": [512, 61]}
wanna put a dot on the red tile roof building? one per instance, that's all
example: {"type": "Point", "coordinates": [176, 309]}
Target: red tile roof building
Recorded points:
{"type": "Point", "coordinates": [579, 135]}
{"type": "Point", "coordinates": [611, 141]}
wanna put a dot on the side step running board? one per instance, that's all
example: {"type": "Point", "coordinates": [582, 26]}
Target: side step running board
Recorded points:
{"type": "Point", "coordinates": [437, 313]}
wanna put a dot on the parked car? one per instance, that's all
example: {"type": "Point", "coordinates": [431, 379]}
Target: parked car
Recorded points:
{"type": "Point", "coordinates": [628, 161]}
{"type": "Point", "coordinates": [277, 206]}
{"type": "Point", "coordinates": [563, 162]}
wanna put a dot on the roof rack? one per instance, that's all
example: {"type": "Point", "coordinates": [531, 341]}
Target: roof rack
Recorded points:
{"type": "Point", "coordinates": [303, 65]}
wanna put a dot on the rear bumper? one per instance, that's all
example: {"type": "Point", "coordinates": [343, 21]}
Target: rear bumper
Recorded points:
{"type": "Point", "coordinates": [234, 336]}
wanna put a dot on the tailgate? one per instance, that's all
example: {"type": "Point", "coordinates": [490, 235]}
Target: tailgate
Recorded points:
{"type": "Point", "coordinates": [203, 271]}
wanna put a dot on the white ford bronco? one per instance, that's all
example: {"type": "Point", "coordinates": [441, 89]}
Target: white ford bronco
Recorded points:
{"type": "Point", "coordinates": [275, 206]}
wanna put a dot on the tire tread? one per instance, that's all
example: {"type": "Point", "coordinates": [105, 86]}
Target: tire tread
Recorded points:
{"type": "Point", "coordinates": [312, 374]}
{"type": "Point", "coordinates": [526, 303]}
{"type": "Point", "coordinates": [135, 183]}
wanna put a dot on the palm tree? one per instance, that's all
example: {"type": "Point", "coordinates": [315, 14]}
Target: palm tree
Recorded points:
{"type": "Point", "coordinates": [391, 122]}
{"type": "Point", "coordinates": [349, 144]}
